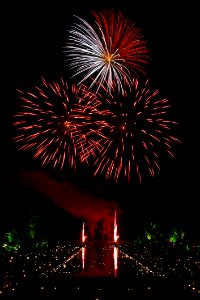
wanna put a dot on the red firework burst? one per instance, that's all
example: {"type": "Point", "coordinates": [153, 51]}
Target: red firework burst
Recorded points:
{"type": "Point", "coordinates": [52, 124]}
{"type": "Point", "coordinates": [139, 130]}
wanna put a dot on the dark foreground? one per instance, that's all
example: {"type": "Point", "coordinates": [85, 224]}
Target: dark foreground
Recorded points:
{"type": "Point", "coordinates": [103, 288]}
{"type": "Point", "coordinates": [100, 272]}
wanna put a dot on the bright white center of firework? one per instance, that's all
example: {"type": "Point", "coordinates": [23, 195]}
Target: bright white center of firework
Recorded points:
{"type": "Point", "coordinates": [109, 58]}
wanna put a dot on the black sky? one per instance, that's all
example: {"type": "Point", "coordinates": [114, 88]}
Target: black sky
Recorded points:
{"type": "Point", "coordinates": [34, 37]}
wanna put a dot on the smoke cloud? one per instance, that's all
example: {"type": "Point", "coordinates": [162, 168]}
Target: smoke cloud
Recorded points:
{"type": "Point", "coordinates": [97, 212]}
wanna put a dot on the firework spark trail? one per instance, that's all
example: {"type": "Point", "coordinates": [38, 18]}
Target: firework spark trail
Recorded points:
{"type": "Point", "coordinates": [56, 122]}
{"type": "Point", "coordinates": [83, 257]}
{"type": "Point", "coordinates": [83, 236]}
{"type": "Point", "coordinates": [115, 256]}
{"type": "Point", "coordinates": [116, 236]}
{"type": "Point", "coordinates": [111, 48]}
{"type": "Point", "coordinates": [139, 130]}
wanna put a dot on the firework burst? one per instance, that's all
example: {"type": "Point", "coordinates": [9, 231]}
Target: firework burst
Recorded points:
{"type": "Point", "coordinates": [110, 48]}
{"type": "Point", "coordinates": [53, 125]}
{"type": "Point", "coordinates": [139, 131]}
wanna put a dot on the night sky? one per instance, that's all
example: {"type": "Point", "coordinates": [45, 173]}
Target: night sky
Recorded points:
{"type": "Point", "coordinates": [34, 38]}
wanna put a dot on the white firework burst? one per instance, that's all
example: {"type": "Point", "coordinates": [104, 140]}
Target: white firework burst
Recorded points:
{"type": "Point", "coordinates": [110, 50]}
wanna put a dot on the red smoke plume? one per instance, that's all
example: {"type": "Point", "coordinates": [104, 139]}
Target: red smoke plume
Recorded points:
{"type": "Point", "coordinates": [97, 212]}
